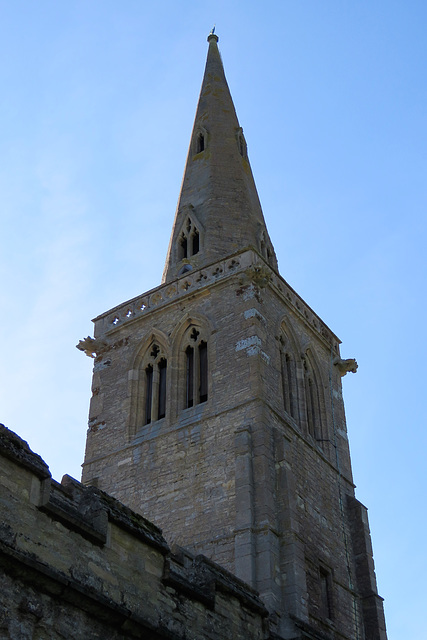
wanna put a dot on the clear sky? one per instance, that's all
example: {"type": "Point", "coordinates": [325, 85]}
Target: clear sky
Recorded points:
{"type": "Point", "coordinates": [96, 111]}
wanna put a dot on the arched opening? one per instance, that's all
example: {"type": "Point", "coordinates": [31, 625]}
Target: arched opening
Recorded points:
{"type": "Point", "coordinates": [203, 371]}
{"type": "Point", "coordinates": [195, 365]}
{"type": "Point", "coordinates": [151, 389]}
{"type": "Point", "coordinates": [200, 142]}
{"type": "Point", "coordinates": [162, 389]}
{"type": "Point", "coordinates": [148, 393]}
{"type": "Point", "coordinates": [313, 403]}
{"type": "Point", "coordinates": [195, 242]}
{"type": "Point", "coordinates": [289, 366]}
{"type": "Point", "coordinates": [183, 247]}
{"type": "Point", "coordinates": [189, 377]}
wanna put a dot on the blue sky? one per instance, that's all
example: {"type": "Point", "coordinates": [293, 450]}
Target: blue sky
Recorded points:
{"type": "Point", "coordinates": [96, 111]}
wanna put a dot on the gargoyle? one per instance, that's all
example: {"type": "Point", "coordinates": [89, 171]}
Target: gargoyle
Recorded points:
{"type": "Point", "coordinates": [344, 366]}
{"type": "Point", "coordinates": [91, 346]}
{"type": "Point", "coordinates": [259, 275]}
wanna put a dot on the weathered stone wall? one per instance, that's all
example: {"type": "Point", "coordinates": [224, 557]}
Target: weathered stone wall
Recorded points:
{"type": "Point", "coordinates": [258, 475]}
{"type": "Point", "coordinates": [236, 478]}
{"type": "Point", "coordinates": [75, 563]}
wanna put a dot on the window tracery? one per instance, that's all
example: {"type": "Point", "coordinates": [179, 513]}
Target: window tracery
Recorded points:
{"type": "Point", "coordinates": [189, 240]}
{"type": "Point", "coordinates": [152, 389]}
{"type": "Point", "coordinates": [289, 376]}
{"type": "Point", "coordinates": [195, 366]}
{"type": "Point", "coordinates": [313, 407]}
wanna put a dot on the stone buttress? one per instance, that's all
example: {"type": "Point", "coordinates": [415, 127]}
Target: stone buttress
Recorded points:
{"type": "Point", "coordinates": [217, 407]}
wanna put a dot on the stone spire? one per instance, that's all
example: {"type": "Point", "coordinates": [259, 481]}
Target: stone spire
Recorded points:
{"type": "Point", "coordinates": [218, 212]}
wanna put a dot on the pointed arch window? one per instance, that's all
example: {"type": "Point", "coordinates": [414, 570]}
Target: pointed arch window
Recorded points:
{"type": "Point", "coordinates": [196, 368]}
{"type": "Point", "coordinates": [289, 377]}
{"type": "Point", "coordinates": [200, 140]}
{"type": "Point", "coordinates": [203, 371]}
{"type": "Point", "coordinates": [189, 378]}
{"type": "Point", "coordinates": [311, 399]}
{"type": "Point", "coordinates": [312, 402]}
{"type": "Point", "coordinates": [152, 403]}
{"type": "Point", "coordinates": [148, 393]}
{"type": "Point", "coordinates": [288, 380]}
{"type": "Point", "coordinates": [161, 412]}
{"type": "Point", "coordinates": [189, 240]}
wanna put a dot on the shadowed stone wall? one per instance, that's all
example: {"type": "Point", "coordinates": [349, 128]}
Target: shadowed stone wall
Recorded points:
{"type": "Point", "coordinates": [75, 563]}
{"type": "Point", "coordinates": [251, 478]}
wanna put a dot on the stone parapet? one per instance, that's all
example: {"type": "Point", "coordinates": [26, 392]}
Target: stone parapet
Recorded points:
{"type": "Point", "coordinates": [248, 264]}
{"type": "Point", "coordinates": [75, 562]}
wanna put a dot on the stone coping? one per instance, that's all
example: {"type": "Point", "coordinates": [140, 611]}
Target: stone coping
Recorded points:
{"type": "Point", "coordinates": [88, 511]}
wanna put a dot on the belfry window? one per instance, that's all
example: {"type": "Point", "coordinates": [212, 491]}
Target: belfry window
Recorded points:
{"type": "Point", "coordinates": [288, 382]}
{"type": "Point", "coordinates": [154, 381]}
{"type": "Point", "coordinates": [162, 389]}
{"type": "Point", "coordinates": [203, 371]}
{"type": "Point", "coordinates": [196, 370]}
{"type": "Point", "coordinates": [148, 393]}
{"type": "Point", "coordinates": [312, 403]}
{"type": "Point", "coordinates": [189, 378]}
{"type": "Point", "coordinates": [289, 374]}
{"type": "Point", "coordinates": [311, 407]}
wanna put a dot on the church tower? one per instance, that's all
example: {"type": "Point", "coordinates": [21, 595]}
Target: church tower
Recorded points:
{"type": "Point", "coordinates": [217, 407]}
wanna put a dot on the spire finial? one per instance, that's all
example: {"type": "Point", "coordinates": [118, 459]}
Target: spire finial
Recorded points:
{"type": "Point", "coordinates": [212, 35]}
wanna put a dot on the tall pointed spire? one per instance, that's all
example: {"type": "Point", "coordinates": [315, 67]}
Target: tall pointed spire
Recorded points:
{"type": "Point", "coordinates": [218, 210]}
